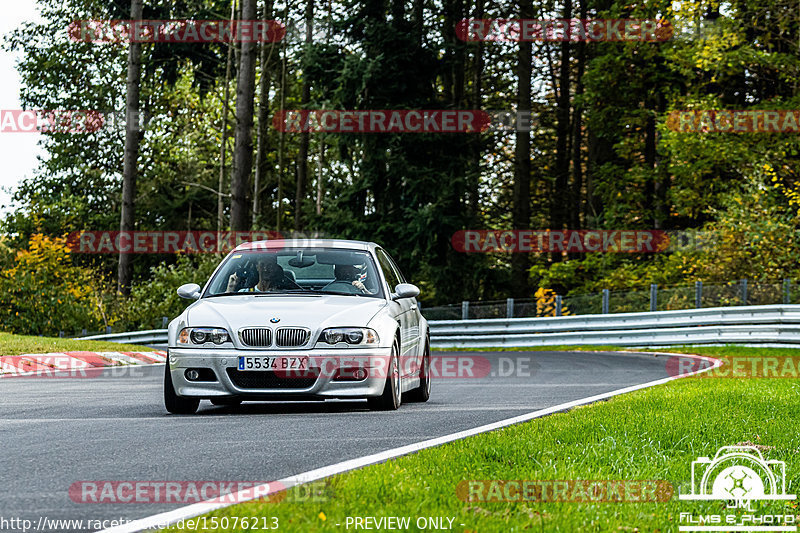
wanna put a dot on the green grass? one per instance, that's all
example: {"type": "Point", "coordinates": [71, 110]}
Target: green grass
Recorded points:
{"type": "Point", "coordinates": [652, 434]}
{"type": "Point", "coordinates": [21, 344]}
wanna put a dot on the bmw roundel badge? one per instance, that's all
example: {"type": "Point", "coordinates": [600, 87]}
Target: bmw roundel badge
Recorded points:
{"type": "Point", "coordinates": [274, 320]}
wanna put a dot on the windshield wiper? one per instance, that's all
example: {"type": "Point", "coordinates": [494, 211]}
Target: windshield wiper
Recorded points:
{"type": "Point", "coordinates": [342, 293]}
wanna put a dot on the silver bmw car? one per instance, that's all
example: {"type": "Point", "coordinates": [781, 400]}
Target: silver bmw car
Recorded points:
{"type": "Point", "coordinates": [311, 319]}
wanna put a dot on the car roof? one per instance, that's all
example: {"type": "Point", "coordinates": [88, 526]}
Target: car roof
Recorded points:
{"type": "Point", "coordinates": [276, 244]}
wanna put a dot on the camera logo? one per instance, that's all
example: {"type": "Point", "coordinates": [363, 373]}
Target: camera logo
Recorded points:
{"type": "Point", "coordinates": [738, 474]}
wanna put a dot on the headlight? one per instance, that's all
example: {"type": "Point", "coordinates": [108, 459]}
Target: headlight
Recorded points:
{"type": "Point", "coordinates": [203, 335]}
{"type": "Point", "coordinates": [350, 336]}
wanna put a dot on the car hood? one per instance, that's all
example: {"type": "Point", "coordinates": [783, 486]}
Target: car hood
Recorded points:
{"type": "Point", "coordinates": [313, 312]}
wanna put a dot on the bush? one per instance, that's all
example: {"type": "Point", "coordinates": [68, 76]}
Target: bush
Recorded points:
{"type": "Point", "coordinates": [154, 298]}
{"type": "Point", "coordinates": [43, 293]}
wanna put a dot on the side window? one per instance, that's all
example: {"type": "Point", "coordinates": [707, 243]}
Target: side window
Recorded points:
{"type": "Point", "coordinates": [392, 278]}
{"type": "Point", "coordinates": [396, 269]}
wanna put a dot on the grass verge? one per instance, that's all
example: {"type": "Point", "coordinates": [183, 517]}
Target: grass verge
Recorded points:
{"type": "Point", "coordinates": [652, 434]}
{"type": "Point", "coordinates": [11, 344]}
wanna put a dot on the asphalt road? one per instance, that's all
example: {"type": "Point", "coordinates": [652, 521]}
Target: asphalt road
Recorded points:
{"type": "Point", "coordinates": [55, 432]}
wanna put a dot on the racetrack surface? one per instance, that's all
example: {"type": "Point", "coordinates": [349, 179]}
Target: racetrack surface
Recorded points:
{"type": "Point", "coordinates": [55, 432]}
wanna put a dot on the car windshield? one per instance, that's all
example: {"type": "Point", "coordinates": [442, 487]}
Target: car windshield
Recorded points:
{"type": "Point", "coordinates": [297, 271]}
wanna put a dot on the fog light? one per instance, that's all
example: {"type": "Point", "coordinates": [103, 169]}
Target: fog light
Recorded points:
{"type": "Point", "coordinates": [360, 374]}
{"type": "Point", "coordinates": [192, 374]}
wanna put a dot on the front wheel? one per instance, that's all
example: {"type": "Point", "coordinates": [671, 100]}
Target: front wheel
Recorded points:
{"type": "Point", "coordinates": [423, 392]}
{"type": "Point", "coordinates": [178, 405]}
{"type": "Point", "coordinates": [390, 399]}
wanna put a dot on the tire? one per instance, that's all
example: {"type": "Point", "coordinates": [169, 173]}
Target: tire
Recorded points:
{"type": "Point", "coordinates": [177, 405]}
{"type": "Point", "coordinates": [390, 399]}
{"type": "Point", "coordinates": [423, 392]}
{"type": "Point", "coordinates": [226, 401]}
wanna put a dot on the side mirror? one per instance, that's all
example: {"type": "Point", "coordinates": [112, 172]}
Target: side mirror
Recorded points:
{"type": "Point", "coordinates": [190, 291]}
{"type": "Point", "coordinates": [405, 290]}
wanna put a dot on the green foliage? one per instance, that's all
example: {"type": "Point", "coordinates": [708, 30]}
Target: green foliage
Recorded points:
{"type": "Point", "coordinates": [44, 293]}
{"type": "Point", "coordinates": [156, 297]}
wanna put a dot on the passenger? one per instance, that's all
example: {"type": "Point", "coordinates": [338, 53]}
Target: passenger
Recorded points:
{"type": "Point", "coordinates": [349, 274]}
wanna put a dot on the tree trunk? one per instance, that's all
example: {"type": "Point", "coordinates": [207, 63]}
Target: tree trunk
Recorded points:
{"type": "Point", "coordinates": [561, 193]}
{"type": "Point", "coordinates": [224, 139]}
{"type": "Point", "coordinates": [302, 153]}
{"type": "Point", "coordinates": [263, 117]}
{"type": "Point", "coordinates": [282, 133]}
{"type": "Point", "coordinates": [243, 140]}
{"type": "Point", "coordinates": [521, 214]}
{"type": "Point", "coordinates": [132, 136]}
{"type": "Point", "coordinates": [577, 133]}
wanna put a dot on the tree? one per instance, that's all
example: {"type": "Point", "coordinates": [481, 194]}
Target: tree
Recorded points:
{"type": "Point", "coordinates": [302, 154]}
{"type": "Point", "coordinates": [243, 139]}
{"type": "Point", "coordinates": [132, 137]}
{"type": "Point", "coordinates": [521, 216]}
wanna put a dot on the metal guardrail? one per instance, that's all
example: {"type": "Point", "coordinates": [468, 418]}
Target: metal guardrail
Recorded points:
{"type": "Point", "coordinates": [763, 324]}
{"type": "Point", "coordinates": [151, 337]}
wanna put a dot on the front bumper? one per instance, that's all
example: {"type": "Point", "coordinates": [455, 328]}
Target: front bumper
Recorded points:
{"type": "Point", "coordinates": [321, 382]}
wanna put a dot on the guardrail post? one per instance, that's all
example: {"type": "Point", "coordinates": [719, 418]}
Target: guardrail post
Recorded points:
{"type": "Point", "coordinates": [108, 329]}
{"type": "Point", "coordinates": [61, 334]}
{"type": "Point", "coordinates": [164, 322]}
{"type": "Point", "coordinates": [464, 310]}
{"type": "Point", "coordinates": [653, 297]}
{"type": "Point", "coordinates": [744, 291]}
{"type": "Point", "coordinates": [83, 332]}
{"type": "Point", "coordinates": [509, 307]}
{"type": "Point", "coordinates": [606, 294]}
{"type": "Point", "coordinates": [787, 288]}
{"type": "Point", "coordinates": [558, 305]}
{"type": "Point", "coordinates": [698, 294]}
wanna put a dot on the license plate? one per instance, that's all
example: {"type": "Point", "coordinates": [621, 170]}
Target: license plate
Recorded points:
{"type": "Point", "coordinates": [273, 363]}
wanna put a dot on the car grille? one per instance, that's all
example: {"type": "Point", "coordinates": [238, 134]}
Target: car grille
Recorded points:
{"type": "Point", "coordinates": [256, 337]}
{"type": "Point", "coordinates": [255, 379]}
{"type": "Point", "coordinates": [292, 336]}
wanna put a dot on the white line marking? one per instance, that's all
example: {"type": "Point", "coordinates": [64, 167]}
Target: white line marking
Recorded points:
{"type": "Point", "coordinates": [162, 520]}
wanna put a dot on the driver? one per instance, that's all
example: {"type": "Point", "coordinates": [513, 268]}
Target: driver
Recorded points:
{"type": "Point", "coordinates": [270, 277]}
